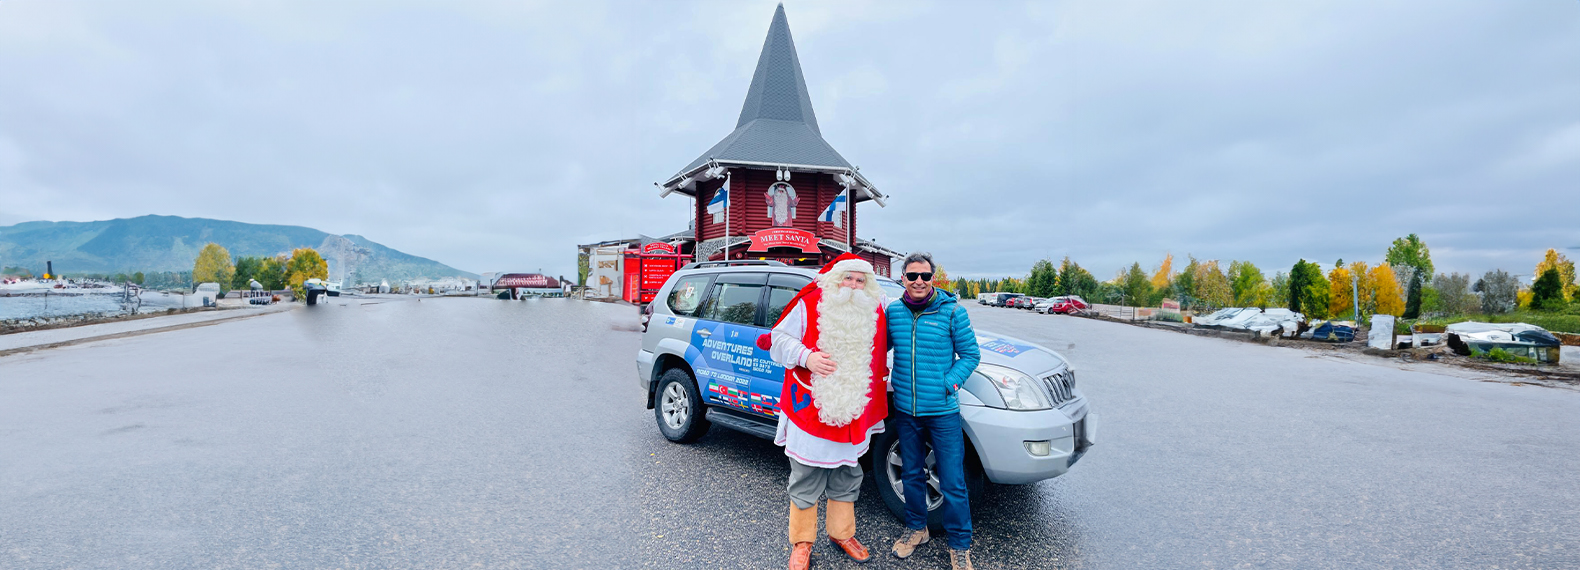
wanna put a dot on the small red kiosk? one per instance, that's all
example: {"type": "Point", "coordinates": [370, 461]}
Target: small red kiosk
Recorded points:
{"type": "Point", "coordinates": [773, 188]}
{"type": "Point", "coordinates": [647, 268]}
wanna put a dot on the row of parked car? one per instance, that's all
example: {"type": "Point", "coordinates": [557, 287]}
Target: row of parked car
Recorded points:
{"type": "Point", "coordinates": [1063, 304]}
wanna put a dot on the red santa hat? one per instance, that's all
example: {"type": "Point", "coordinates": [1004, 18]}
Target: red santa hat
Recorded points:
{"type": "Point", "coordinates": [848, 262]}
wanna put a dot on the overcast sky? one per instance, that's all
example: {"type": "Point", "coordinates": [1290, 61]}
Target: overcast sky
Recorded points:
{"type": "Point", "coordinates": [497, 136]}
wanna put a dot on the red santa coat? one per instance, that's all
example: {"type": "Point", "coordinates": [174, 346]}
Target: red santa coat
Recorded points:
{"type": "Point", "coordinates": [796, 400]}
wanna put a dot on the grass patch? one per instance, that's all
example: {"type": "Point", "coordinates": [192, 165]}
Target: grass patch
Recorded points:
{"type": "Point", "coordinates": [1500, 355]}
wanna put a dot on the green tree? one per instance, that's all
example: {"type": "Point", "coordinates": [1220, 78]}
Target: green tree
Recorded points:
{"type": "Point", "coordinates": [1547, 293]}
{"type": "Point", "coordinates": [246, 270]}
{"type": "Point", "coordinates": [137, 278]}
{"type": "Point", "coordinates": [305, 263]}
{"type": "Point", "coordinates": [1566, 272]}
{"type": "Point", "coordinates": [1212, 286]}
{"type": "Point", "coordinates": [271, 273]}
{"type": "Point", "coordinates": [1413, 297]}
{"type": "Point", "coordinates": [1278, 294]}
{"type": "Point", "coordinates": [1044, 279]}
{"type": "Point", "coordinates": [1411, 251]}
{"type": "Point", "coordinates": [583, 267]}
{"type": "Point", "coordinates": [1246, 281]}
{"type": "Point", "coordinates": [1308, 290]}
{"type": "Point", "coordinates": [1076, 280]}
{"type": "Point", "coordinates": [1183, 287]}
{"type": "Point", "coordinates": [213, 266]}
{"type": "Point", "coordinates": [1135, 285]}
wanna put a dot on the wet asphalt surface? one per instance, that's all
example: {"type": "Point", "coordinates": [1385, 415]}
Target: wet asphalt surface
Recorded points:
{"type": "Point", "coordinates": [473, 433]}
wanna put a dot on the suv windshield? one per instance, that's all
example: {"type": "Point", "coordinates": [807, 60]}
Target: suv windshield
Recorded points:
{"type": "Point", "coordinates": [891, 288]}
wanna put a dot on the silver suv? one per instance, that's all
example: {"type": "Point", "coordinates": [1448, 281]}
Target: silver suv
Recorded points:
{"type": "Point", "coordinates": [704, 362]}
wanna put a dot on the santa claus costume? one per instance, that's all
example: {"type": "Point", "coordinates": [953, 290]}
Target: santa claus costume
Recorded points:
{"type": "Point", "coordinates": [826, 422]}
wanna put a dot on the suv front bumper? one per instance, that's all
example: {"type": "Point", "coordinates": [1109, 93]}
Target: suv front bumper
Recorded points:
{"type": "Point", "coordinates": [1001, 437]}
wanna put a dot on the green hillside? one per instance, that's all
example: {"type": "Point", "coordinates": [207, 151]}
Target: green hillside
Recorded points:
{"type": "Point", "coordinates": [171, 243]}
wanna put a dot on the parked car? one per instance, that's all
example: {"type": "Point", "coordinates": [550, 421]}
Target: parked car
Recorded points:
{"type": "Point", "coordinates": [702, 364]}
{"type": "Point", "coordinates": [1028, 303]}
{"type": "Point", "coordinates": [1002, 299]}
{"type": "Point", "coordinates": [1065, 305]}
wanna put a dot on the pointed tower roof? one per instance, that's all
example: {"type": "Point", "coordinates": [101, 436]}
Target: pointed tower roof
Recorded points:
{"type": "Point", "coordinates": [778, 89]}
{"type": "Point", "coordinates": [777, 125]}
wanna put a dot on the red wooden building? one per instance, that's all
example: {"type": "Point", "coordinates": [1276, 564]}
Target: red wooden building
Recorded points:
{"type": "Point", "coordinates": [773, 188]}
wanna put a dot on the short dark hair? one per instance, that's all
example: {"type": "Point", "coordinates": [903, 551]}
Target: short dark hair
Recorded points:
{"type": "Point", "coordinates": [919, 257]}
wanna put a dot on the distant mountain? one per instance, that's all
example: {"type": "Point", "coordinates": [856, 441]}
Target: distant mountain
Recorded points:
{"type": "Point", "coordinates": [171, 243]}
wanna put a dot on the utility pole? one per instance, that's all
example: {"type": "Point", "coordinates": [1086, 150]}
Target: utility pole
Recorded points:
{"type": "Point", "coordinates": [727, 199]}
{"type": "Point", "coordinates": [1355, 297]}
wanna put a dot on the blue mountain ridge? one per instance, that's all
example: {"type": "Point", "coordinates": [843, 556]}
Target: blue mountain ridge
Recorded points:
{"type": "Point", "coordinates": [171, 243]}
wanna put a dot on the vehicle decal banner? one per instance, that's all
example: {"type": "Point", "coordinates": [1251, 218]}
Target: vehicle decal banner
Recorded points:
{"type": "Point", "coordinates": [727, 360]}
{"type": "Point", "coordinates": [1005, 347]}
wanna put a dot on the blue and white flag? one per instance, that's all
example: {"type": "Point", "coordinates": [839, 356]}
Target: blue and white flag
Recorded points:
{"type": "Point", "coordinates": [835, 212]}
{"type": "Point", "coordinates": [721, 200]}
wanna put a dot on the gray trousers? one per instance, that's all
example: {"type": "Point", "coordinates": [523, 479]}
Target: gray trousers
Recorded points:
{"type": "Point", "coordinates": [807, 483]}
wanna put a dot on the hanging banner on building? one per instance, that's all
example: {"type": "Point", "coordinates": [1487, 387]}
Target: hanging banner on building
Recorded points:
{"type": "Point", "coordinates": [784, 237]}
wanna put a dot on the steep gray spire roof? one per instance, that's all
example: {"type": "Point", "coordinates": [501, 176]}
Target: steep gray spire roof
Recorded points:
{"type": "Point", "coordinates": [778, 89]}
{"type": "Point", "coordinates": [777, 124]}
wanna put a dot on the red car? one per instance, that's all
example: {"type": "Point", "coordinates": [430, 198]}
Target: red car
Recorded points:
{"type": "Point", "coordinates": [1066, 305]}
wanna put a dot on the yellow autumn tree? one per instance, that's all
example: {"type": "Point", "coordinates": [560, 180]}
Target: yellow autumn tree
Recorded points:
{"type": "Point", "coordinates": [1385, 288]}
{"type": "Point", "coordinates": [941, 279]}
{"type": "Point", "coordinates": [1164, 274]}
{"type": "Point", "coordinates": [305, 263]}
{"type": "Point", "coordinates": [1341, 297]}
{"type": "Point", "coordinates": [213, 266]}
{"type": "Point", "coordinates": [1566, 272]}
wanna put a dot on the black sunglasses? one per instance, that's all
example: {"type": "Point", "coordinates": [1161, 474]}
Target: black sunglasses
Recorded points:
{"type": "Point", "coordinates": [924, 276]}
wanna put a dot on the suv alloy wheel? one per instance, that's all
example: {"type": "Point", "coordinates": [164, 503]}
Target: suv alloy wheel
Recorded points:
{"type": "Point", "coordinates": [679, 411]}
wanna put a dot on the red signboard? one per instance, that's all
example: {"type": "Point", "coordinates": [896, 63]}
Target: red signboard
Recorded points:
{"type": "Point", "coordinates": [645, 274]}
{"type": "Point", "coordinates": [657, 247]}
{"type": "Point", "coordinates": [784, 237]}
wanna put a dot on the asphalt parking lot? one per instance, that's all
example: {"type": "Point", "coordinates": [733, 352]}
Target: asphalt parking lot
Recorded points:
{"type": "Point", "coordinates": [458, 433]}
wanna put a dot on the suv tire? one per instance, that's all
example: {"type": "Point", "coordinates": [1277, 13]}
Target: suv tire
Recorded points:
{"type": "Point", "coordinates": [679, 411]}
{"type": "Point", "coordinates": [886, 477]}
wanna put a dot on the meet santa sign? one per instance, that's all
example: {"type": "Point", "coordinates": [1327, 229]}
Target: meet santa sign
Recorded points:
{"type": "Point", "coordinates": [784, 237]}
{"type": "Point", "coordinates": [658, 247]}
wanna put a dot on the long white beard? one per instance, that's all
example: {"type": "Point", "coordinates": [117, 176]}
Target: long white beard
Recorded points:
{"type": "Point", "coordinates": [847, 323]}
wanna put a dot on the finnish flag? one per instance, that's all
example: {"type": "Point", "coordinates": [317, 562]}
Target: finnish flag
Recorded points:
{"type": "Point", "coordinates": [835, 212]}
{"type": "Point", "coordinates": [721, 200]}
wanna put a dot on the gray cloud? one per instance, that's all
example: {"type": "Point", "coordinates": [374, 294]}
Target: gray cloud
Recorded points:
{"type": "Point", "coordinates": [497, 135]}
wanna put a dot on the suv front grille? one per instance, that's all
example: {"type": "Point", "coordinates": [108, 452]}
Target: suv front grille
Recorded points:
{"type": "Point", "coordinates": [1060, 386]}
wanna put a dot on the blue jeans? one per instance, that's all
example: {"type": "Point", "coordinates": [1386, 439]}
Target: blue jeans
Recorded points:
{"type": "Point", "coordinates": [949, 454]}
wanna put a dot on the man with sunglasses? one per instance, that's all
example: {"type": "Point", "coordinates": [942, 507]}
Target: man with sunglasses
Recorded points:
{"type": "Point", "coordinates": [935, 350]}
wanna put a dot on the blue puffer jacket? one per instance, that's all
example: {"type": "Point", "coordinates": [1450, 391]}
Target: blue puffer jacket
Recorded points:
{"type": "Point", "coordinates": [934, 353]}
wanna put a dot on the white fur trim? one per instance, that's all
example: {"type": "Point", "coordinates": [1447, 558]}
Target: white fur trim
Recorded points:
{"type": "Point", "coordinates": [861, 265]}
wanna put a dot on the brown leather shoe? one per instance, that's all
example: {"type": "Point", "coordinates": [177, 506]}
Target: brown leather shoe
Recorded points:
{"type": "Point", "coordinates": [852, 549]}
{"type": "Point", "coordinates": [909, 541]}
{"type": "Point", "coordinates": [801, 556]}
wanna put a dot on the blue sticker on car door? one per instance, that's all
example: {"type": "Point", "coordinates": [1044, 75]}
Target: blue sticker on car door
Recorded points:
{"type": "Point", "coordinates": [732, 370]}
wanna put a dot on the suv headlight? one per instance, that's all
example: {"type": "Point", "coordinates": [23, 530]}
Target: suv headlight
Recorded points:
{"type": "Point", "coordinates": [1020, 392]}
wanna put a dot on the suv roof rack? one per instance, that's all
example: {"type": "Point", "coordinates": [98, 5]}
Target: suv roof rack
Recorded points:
{"type": "Point", "coordinates": [762, 262]}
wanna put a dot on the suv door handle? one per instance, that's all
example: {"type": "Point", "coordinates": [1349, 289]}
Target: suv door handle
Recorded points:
{"type": "Point", "coordinates": [705, 333]}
